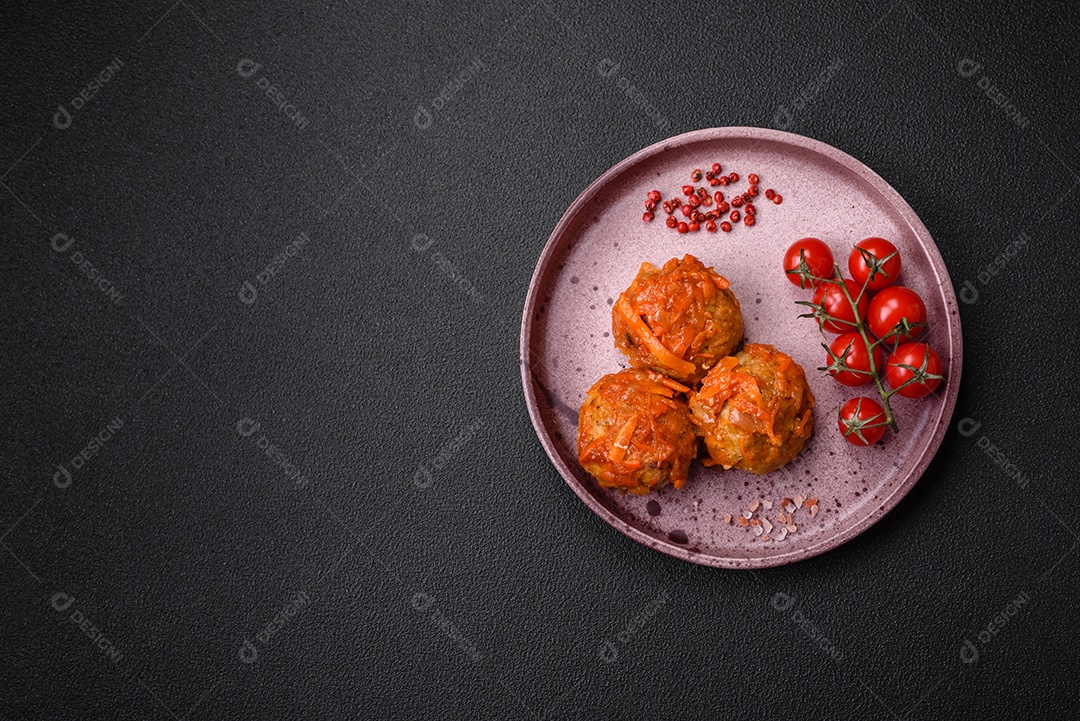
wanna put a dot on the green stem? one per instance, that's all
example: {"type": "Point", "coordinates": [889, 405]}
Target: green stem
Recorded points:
{"type": "Point", "coordinates": [861, 327]}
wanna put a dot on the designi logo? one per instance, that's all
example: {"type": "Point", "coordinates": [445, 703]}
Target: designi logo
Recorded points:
{"type": "Point", "coordinates": [62, 118]}
{"type": "Point", "coordinates": [422, 601]}
{"type": "Point", "coordinates": [248, 653]}
{"type": "Point", "coordinates": [423, 118]}
{"type": "Point", "coordinates": [62, 601]}
{"type": "Point", "coordinates": [782, 601]}
{"type": "Point", "coordinates": [247, 426]}
{"type": "Point", "coordinates": [248, 294]}
{"type": "Point", "coordinates": [62, 478]}
{"type": "Point", "coordinates": [247, 67]}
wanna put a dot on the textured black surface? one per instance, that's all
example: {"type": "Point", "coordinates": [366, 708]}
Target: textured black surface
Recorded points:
{"type": "Point", "coordinates": [437, 565]}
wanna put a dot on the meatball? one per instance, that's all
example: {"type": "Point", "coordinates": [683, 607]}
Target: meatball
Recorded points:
{"type": "Point", "coordinates": [754, 410]}
{"type": "Point", "coordinates": [634, 432]}
{"type": "Point", "coordinates": [678, 320]}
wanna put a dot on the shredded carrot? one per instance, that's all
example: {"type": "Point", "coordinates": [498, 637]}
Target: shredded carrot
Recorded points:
{"type": "Point", "coordinates": [673, 385]}
{"type": "Point", "coordinates": [729, 362]}
{"type": "Point", "coordinates": [622, 439]}
{"type": "Point", "coordinates": [641, 331]}
{"type": "Point", "coordinates": [720, 384]}
{"type": "Point", "coordinates": [592, 447]}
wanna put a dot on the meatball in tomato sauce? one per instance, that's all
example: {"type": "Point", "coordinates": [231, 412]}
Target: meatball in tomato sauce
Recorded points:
{"type": "Point", "coordinates": [754, 410]}
{"type": "Point", "coordinates": [680, 319]}
{"type": "Point", "coordinates": [634, 432]}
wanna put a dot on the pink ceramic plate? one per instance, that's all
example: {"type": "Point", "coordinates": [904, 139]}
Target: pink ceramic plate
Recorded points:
{"type": "Point", "coordinates": [595, 252]}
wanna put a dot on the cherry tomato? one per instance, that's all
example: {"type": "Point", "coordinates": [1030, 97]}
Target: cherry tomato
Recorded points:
{"type": "Point", "coordinates": [808, 256]}
{"type": "Point", "coordinates": [855, 417]}
{"type": "Point", "coordinates": [915, 364]}
{"type": "Point", "coordinates": [837, 305]}
{"type": "Point", "coordinates": [851, 349]}
{"type": "Point", "coordinates": [875, 263]}
{"type": "Point", "coordinates": [895, 305]}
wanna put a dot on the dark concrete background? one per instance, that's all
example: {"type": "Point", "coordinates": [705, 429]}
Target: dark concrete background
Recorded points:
{"type": "Point", "coordinates": [329, 502]}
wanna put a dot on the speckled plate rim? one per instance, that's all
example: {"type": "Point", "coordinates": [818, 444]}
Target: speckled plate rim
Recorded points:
{"type": "Point", "coordinates": [941, 274]}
